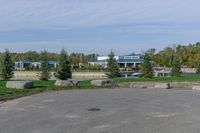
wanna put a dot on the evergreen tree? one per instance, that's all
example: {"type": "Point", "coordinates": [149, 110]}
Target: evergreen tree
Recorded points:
{"type": "Point", "coordinates": [198, 67]}
{"type": "Point", "coordinates": [146, 67]}
{"type": "Point", "coordinates": [45, 70]}
{"type": "Point", "coordinates": [112, 67]}
{"type": "Point", "coordinates": [7, 66]}
{"type": "Point", "coordinates": [176, 67]}
{"type": "Point", "coordinates": [64, 67]}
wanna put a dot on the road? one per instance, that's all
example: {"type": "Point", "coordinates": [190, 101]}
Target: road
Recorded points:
{"type": "Point", "coordinates": [103, 111]}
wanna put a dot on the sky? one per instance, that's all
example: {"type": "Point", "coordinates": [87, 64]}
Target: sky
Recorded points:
{"type": "Point", "coordinates": [97, 26]}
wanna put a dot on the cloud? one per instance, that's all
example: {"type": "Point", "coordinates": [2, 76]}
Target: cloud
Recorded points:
{"type": "Point", "coordinates": [59, 14]}
{"type": "Point", "coordinates": [96, 24]}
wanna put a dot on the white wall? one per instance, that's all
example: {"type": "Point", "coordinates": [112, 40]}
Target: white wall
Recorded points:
{"type": "Point", "coordinates": [100, 58]}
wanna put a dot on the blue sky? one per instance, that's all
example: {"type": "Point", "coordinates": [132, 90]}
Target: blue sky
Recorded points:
{"type": "Point", "coordinates": [88, 26]}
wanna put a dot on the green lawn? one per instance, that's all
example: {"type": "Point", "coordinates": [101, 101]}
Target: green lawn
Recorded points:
{"type": "Point", "coordinates": [163, 79]}
{"type": "Point", "coordinates": [39, 86]}
{"type": "Point", "coordinates": [42, 86]}
{"type": "Point", "coordinates": [6, 94]}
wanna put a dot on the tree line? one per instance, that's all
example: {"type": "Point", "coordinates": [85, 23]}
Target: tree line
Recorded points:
{"type": "Point", "coordinates": [33, 56]}
{"type": "Point", "coordinates": [63, 71]}
{"type": "Point", "coordinates": [173, 57]}
{"type": "Point", "coordinates": [187, 55]}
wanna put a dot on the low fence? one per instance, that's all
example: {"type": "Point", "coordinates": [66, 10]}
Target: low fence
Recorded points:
{"type": "Point", "coordinates": [34, 74]}
{"type": "Point", "coordinates": [88, 75]}
{"type": "Point", "coordinates": [188, 70]}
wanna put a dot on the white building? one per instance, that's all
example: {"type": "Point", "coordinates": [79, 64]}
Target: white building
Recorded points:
{"type": "Point", "coordinates": [22, 65]}
{"type": "Point", "coordinates": [127, 61]}
{"type": "Point", "coordinates": [26, 65]}
{"type": "Point", "coordinates": [37, 65]}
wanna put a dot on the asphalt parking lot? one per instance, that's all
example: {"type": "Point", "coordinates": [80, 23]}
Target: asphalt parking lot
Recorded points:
{"type": "Point", "coordinates": [103, 111]}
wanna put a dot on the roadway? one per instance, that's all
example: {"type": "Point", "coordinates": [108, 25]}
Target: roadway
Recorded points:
{"type": "Point", "coordinates": [103, 111]}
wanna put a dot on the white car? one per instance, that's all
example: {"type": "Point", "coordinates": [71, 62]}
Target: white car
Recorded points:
{"type": "Point", "coordinates": [135, 74]}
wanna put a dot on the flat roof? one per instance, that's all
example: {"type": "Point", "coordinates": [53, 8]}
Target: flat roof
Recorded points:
{"type": "Point", "coordinates": [130, 60]}
{"type": "Point", "coordinates": [22, 61]}
{"type": "Point", "coordinates": [122, 61]}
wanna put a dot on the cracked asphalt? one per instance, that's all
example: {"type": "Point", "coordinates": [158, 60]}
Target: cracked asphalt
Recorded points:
{"type": "Point", "coordinates": [103, 111]}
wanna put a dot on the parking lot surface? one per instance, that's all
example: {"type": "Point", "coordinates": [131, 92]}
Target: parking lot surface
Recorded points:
{"type": "Point", "coordinates": [103, 111]}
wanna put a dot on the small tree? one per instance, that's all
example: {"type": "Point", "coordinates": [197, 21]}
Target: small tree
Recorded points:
{"type": "Point", "coordinates": [64, 67]}
{"type": "Point", "coordinates": [176, 67]}
{"type": "Point", "coordinates": [112, 67]}
{"type": "Point", "coordinates": [146, 67]}
{"type": "Point", "coordinates": [45, 70]}
{"type": "Point", "coordinates": [7, 66]}
{"type": "Point", "coordinates": [198, 67]}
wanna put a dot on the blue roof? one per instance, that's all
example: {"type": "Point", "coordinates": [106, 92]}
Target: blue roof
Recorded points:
{"type": "Point", "coordinates": [134, 55]}
{"type": "Point", "coordinates": [100, 61]}
{"type": "Point", "coordinates": [124, 61]}
{"type": "Point", "coordinates": [23, 61]}
{"type": "Point", "coordinates": [130, 60]}
{"type": "Point", "coordinates": [36, 62]}
{"type": "Point", "coordinates": [53, 62]}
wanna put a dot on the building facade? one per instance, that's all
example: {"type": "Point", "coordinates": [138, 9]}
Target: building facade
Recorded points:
{"type": "Point", "coordinates": [127, 61]}
{"type": "Point", "coordinates": [22, 65]}
{"type": "Point", "coordinates": [27, 65]}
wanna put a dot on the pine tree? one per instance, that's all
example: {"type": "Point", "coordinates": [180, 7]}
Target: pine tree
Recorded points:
{"type": "Point", "coordinates": [64, 67]}
{"type": "Point", "coordinates": [45, 70]}
{"type": "Point", "coordinates": [112, 67]}
{"type": "Point", "coordinates": [198, 67]}
{"type": "Point", "coordinates": [7, 66]}
{"type": "Point", "coordinates": [176, 67]}
{"type": "Point", "coordinates": [146, 67]}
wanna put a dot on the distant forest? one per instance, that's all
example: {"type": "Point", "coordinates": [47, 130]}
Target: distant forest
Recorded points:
{"type": "Point", "coordinates": [75, 58]}
{"type": "Point", "coordinates": [188, 55]}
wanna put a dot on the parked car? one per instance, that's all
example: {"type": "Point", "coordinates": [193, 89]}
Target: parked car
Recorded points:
{"type": "Point", "coordinates": [135, 74]}
{"type": "Point", "coordinates": [125, 74]}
